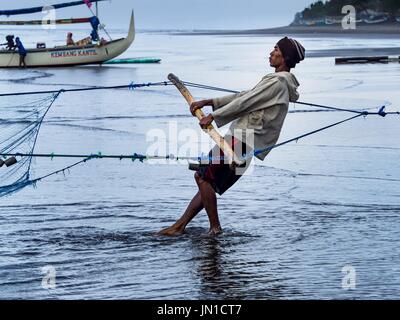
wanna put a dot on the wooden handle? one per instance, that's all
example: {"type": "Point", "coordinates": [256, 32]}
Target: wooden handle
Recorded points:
{"type": "Point", "coordinates": [222, 144]}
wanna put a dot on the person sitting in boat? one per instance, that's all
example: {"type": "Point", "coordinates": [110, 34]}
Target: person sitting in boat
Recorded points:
{"type": "Point", "coordinates": [260, 113]}
{"type": "Point", "coordinates": [22, 52]}
{"type": "Point", "coordinates": [70, 41]}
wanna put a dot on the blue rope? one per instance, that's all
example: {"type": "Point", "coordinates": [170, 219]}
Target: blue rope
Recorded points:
{"type": "Point", "coordinates": [34, 181]}
{"type": "Point", "coordinates": [380, 112]}
{"type": "Point", "coordinates": [258, 151]}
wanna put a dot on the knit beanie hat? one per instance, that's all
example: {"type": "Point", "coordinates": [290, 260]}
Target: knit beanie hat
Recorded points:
{"type": "Point", "coordinates": [293, 52]}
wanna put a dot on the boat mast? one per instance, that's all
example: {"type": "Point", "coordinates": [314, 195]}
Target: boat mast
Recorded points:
{"type": "Point", "coordinates": [97, 15]}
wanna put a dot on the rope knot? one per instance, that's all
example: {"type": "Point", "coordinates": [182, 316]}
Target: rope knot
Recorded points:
{"type": "Point", "coordinates": [138, 157]}
{"type": "Point", "coordinates": [170, 156]}
{"type": "Point", "coordinates": [132, 86]}
{"type": "Point", "coordinates": [382, 112]}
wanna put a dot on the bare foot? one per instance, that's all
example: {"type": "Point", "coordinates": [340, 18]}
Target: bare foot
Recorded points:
{"type": "Point", "coordinates": [215, 231]}
{"type": "Point", "coordinates": [171, 231]}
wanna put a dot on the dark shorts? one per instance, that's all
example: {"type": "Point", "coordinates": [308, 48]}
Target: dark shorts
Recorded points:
{"type": "Point", "coordinates": [222, 176]}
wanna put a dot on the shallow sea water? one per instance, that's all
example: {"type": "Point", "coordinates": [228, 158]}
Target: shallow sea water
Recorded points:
{"type": "Point", "coordinates": [328, 202]}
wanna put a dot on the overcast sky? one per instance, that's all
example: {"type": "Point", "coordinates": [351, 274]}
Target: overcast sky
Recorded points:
{"type": "Point", "coordinates": [181, 14]}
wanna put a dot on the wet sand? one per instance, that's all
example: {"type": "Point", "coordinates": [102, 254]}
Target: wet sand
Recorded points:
{"type": "Point", "coordinates": [367, 32]}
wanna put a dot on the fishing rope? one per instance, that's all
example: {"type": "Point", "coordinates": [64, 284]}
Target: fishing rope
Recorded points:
{"type": "Point", "coordinates": [133, 86]}
{"type": "Point", "coordinates": [130, 86]}
{"type": "Point", "coordinates": [206, 87]}
{"type": "Point", "coordinates": [34, 127]}
{"type": "Point", "coordinates": [141, 157]}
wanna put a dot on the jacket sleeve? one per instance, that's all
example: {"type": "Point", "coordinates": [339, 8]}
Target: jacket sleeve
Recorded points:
{"type": "Point", "coordinates": [222, 101]}
{"type": "Point", "coordinates": [268, 93]}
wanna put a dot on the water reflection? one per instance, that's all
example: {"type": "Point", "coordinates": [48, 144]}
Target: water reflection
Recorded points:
{"type": "Point", "coordinates": [226, 270]}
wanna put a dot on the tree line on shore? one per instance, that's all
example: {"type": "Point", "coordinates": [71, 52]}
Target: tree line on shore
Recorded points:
{"type": "Point", "coordinates": [332, 8]}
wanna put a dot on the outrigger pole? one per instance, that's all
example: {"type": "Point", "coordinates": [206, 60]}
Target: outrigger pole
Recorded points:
{"type": "Point", "coordinates": [45, 22]}
{"type": "Point", "coordinates": [39, 9]}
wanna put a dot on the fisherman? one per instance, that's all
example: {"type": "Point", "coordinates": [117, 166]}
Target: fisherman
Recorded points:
{"type": "Point", "coordinates": [22, 52]}
{"type": "Point", "coordinates": [103, 41]}
{"type": "Point", "coordinates": [70, 41]}
{"type": "Point", "coordinates": [261, 110]}
{"type": "Point", "coordinates": [10, 45]}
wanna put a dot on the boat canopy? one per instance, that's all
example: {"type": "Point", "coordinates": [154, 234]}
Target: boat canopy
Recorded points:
{"type": "Point", "coordinates": [39, 9]}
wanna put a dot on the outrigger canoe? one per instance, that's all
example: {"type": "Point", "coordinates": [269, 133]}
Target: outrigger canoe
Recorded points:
{"type": "Point", "coordinates": [133, 60]}
{"type": "Point", "coordinates": [62, 56]}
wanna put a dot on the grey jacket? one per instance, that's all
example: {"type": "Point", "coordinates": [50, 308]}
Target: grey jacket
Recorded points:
{"type": "Point", "coordinates": [262, 109]}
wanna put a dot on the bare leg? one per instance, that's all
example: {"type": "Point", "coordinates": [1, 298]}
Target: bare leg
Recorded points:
{"type": "Point", "coordinates": [205, 198]}
{"type": "Point", "coordinates": [210, 204]}
{"type": "Point", "coordinates": [194, 207]}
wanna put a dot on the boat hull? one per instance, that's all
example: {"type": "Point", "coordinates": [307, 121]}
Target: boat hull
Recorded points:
{"type": "Point", "coordinates": [65, 56]}
{"type": "Point", "coordinates": [69, 55]}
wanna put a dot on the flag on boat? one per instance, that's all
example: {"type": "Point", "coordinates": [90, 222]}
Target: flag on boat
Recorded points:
{"type": "Point", "coordinates": [88, 3]}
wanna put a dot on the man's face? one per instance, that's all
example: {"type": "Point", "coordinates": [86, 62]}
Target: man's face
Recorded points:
{"type": "Point", "coordinates": [276, 57]}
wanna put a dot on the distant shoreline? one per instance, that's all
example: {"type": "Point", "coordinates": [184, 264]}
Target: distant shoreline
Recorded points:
{"type": "Point", "coordinates": [364, 31]}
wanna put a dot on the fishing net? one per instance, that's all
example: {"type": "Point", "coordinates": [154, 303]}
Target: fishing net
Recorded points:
{"type": "Point", "coordinates": [20, 120]}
